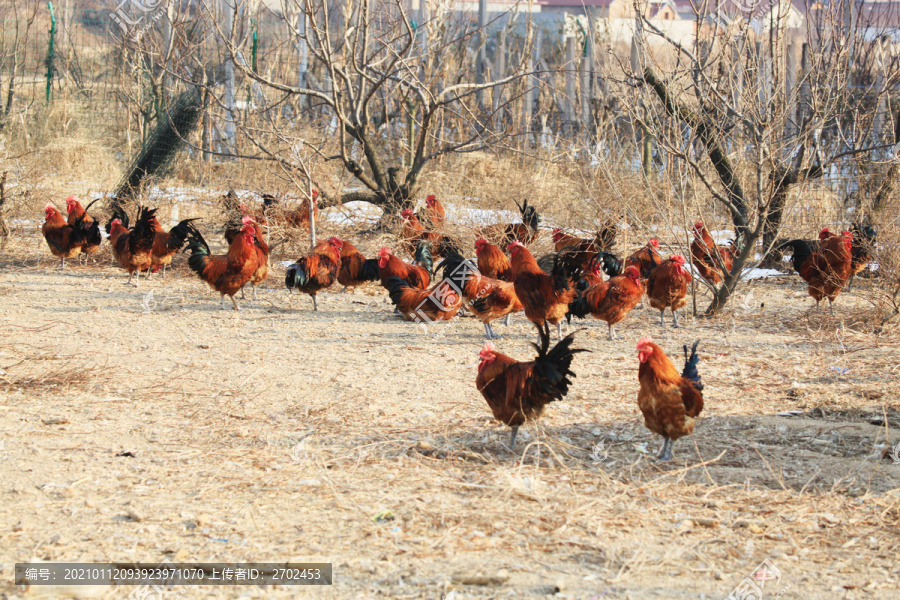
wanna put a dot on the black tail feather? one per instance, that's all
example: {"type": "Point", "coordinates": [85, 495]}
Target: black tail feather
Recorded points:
{"type": "Point", "coordinates": [690, 366]}
{"type": "Point", "coordinates": [370, 271]}
{"type": "Point", "coordinates": [800, 252]}
{"type": "Point", "coordinates": [198, 248]}
{"type": "Point", "coordinates": [552, 372]}
{"type": "Point", "coordinates": [179, 233]}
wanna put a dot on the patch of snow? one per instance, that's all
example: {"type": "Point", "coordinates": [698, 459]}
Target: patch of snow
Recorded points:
{"type": "Point", "coordinates": [353, 214]}
{"type": "Point", "coordinates": [749, 274]}
{"type": "Point", "coordinates": [285, 263]}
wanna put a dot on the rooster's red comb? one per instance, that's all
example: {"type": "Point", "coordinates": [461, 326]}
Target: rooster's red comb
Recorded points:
{"type": "Point", "coordinates": [643, 342]}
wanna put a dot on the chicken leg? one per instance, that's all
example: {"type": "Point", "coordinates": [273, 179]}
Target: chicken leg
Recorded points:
{"type": "Point", "coordinates": [222, 303]}
{"type": "Point", "coordinates": [831, 306]}
{"type": "Point", "coordinates": [666, 453]}
{"type": "Point", "coordinates": [506, 320]}
{"type": "Point", "coordinates": [164, 272]}
{"type": "Point", "coordinates": [315, 304]}
{"type": "Point", "coordinates": [512, 440]}
{"type": "Point", "coordinates": [490, 333]}
{"type": "Point", "coordinates": [254, 290]}
{"type": "Point", "coordinates": [612, 333]}
{"type": "Point", "coordinates": [62, 263]}
{"type": "Point", "coordinates": [559, 331]}
{"type": "Point", "coordinates": [662, 318]}
{"type": "Point", "coordinates": [233, 301]}
{"type": "Point", "coordinates": [674, 319]}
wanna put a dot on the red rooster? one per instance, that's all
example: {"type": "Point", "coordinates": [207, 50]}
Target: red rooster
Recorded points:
{"type": "Point", "coordinates": [315, 272]}
{"type": "Point", "coordinates": [391, 266]}
{"type": "Point", "coordinates": [434, 212]}
{"type": "Point", "coordinates": [667, 287]}
{"type": "Point", "coordinates": [225, 273]}
{"type": "Point", "coordinates": [826, 271]}
{"type": "Point", "coordinates": [545, 296]}
{"type": "Point", "coordinates": [525, 232]}
{"type": "Point", "coordinates": [709, 259]}
{"type": "Point", "coordinates": [91, 227]}
{"type": "Point", "coordinates": [132, 247]}
{"type": "Point", "coordinates": [492, 262]}
{"type": "Point", "coordinates": [610, 300]}
{"type": "Point", "coordinates": [516, 391]}
{"type": "Point", "coordinates": [166, 244]}
{"type": "Point", "coordinates": [64, 240]}
{"type": "Point", "coordinates": [669, 402]}
{"type": "Point", "coordinates": [411, 231]}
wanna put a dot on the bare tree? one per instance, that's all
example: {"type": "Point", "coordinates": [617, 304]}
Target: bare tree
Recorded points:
{"type": "Point", "coordinates": [15, 27]}
{"type": "Point", "coordinates": [749, 118]}
{"type": "Point", "coordinates": [375, 74]}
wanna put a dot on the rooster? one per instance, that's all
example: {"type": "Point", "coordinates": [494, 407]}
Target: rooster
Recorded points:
{"type": "Point", "coordinates": [603, 240]}
{"type": "Point", "coordinates": [434, 212]}
{"type": "Point", "coordinates": [667, 287]}
{"type": "Point", "coordinates": [299, 217]}
{"type": "Point", "coordinates": [545, 296]}
{"type": "Point", "coordinates": [826, 271]}
{"type": "Point", "coordinates": [225, 273]}
{"type": "Point", "coordinates": [355, 269]}
{"type": "Point", "coordinates": [91, 227]}
{"type": "Point", "coordinates": [411, 231]}
{"type": "Point", "coordinates": [166, 244]}
{"type": "Point", "coordinates": [709, 259]}
{"type": "Point", "coordinates": [440, 303]}
{"type": "Point", "coordinates": [64, 240]}
{"type": "Point", "coordinates": [492, 262]}
{"type": "Point", "coordinates": [262, 257]}
{"type": "Point", "coordinates": [645, 259]}
{"type": "Point", "coordinates": [316, 271]}
{"type": "Point", "coordinates": [668, 401]}
{"type": "Point", "coordinates": [487, 298]}
{"type": "Point", "coordinates": [132, 247]}
{"type": "Point", "coordinates": [610, 300]}
{"type": "Point", "coordinates": [391, 266]}
{"type": "Point", "coordinates": [525, 232]}
{"type": "Point", "coordinates": [516, 391]}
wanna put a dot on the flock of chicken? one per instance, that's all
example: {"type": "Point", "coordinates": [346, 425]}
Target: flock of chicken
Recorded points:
{"type": "Point", "coordinates": [567, 283]}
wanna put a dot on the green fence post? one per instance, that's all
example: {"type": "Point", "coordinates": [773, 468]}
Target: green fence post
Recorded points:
{"type": "Point", "coordinates": [51, 49]}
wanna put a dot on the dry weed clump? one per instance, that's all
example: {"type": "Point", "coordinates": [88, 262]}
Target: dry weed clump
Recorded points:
{"type": "Point", "coordinates": [884, 292]}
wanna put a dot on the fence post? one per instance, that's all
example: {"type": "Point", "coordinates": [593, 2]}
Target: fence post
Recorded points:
{"type": "Point", "coordinates": [229, 79]}
{"type": "Point", "coordinates": [51, 50]}
{"type": "Point", "coordinates": [571, 97]}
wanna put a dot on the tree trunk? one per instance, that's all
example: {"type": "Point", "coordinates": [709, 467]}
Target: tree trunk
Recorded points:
{"type": "Point", "coordinates": [886, 189]}
{"type": "Point", "coordinates": [783, 182]}
{"type": "Point", "coordinates": [4, 230]}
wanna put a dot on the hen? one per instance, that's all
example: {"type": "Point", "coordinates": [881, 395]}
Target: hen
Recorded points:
{"type": "Point", "coordinates": [525, 232]}
{"type": "Point", "coordinates": [492, 262]}
{"type": "Point", "coordinates": [669, 402]}
{"type": "Point", "coordinates": [826, 271]}
{"type": "Point", "coordinates": [391, 266]}
{"type": "Point", "coordinates": [132, 247]}
{"type": "Point", "coordinates": [355, 269]}
{"type": "Point", "coordinates": [64, 240]}
{"type": "Point", "coordinates": [440, 303]}
{"type": "Point", "coordinates": [411, 231]}
{"type": "Point", "coordinates": [545, 296]}
{"type": "Point", "coordinates": [225, 273]}
{"type": "Point", "coordinates": [262, 257]}
{"type": "Point", "coordinates": [516, 391]}
{"type": "Point", "coordinates": [710, 260]}
{"type": "Point", "coordinates": [166, 244]}
{"type": "Point", "coordinates": [487, 298]}
{"type": "Point", "coordinates": [667, 287]}
{"type": "Point", "coordinates": [90, 227]}
{"type": "Point", "coordinates": [316, 271]}
{"type": "Point", "coordinates": [609, 300]}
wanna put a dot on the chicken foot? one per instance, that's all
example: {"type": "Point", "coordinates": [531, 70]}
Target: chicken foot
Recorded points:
{"type": "Point", "coordinates": [512, 440]}
{"type": "Point", "coordinates": [490, 333]}
{"type": "Point", "coordinates": [666, 453]}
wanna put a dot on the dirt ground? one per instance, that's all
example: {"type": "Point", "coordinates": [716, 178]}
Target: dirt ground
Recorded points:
{"type": "Point", "coordinates": [147, 424]}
